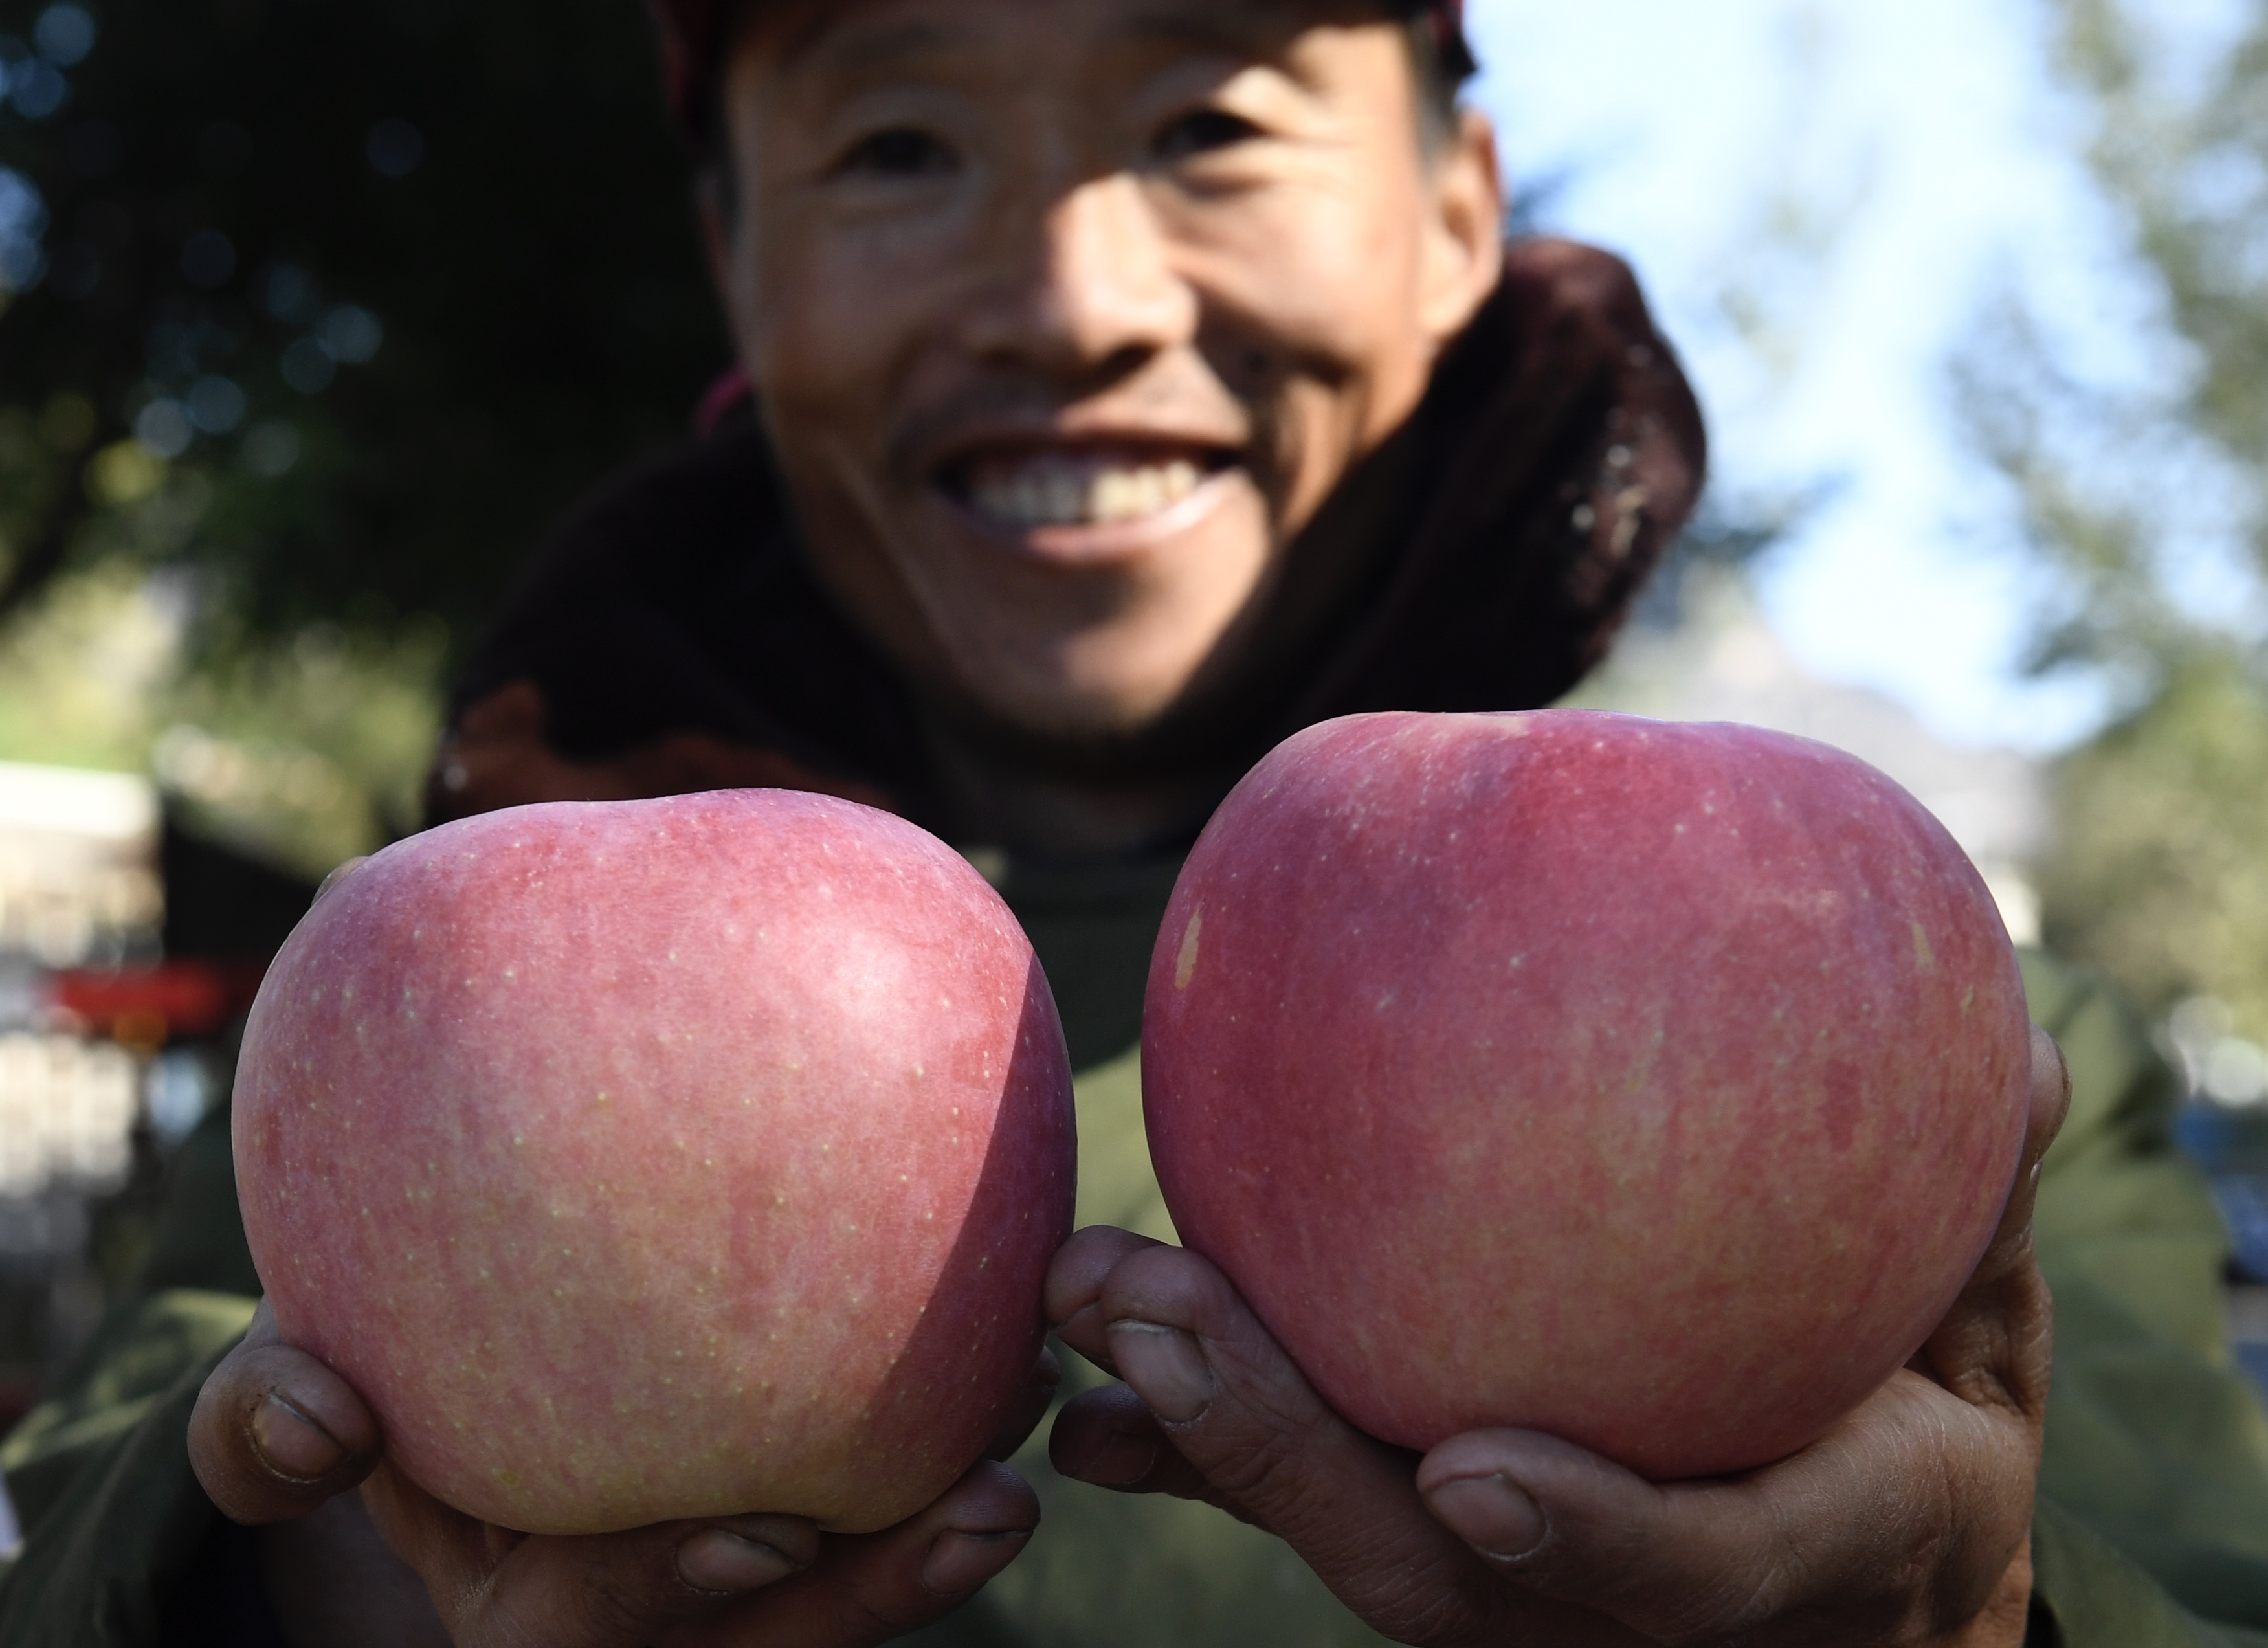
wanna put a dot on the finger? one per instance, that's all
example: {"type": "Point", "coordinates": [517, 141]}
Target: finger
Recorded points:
{"type": "Point", "coordinates": [2049, 1103]}
{"type": "Point", "coordinates": [337, 876]}
{"type": "Point", "coordinates": [1234, 1407]}
{"type": "Point", "coordinates": [1923, 1479]}
{"type": "Point", "coordinates": [1904, 1520]}
{"type": "Point", "coordinates": [275, 1434]}
{"type": "Point", "coordinates": [1032, 1405]}
{"type": "Point", "coordinates": [1995, 1347]}
{"type": "Point", "coordinates": [604, 1591]}
{"type": "Point", "coordinates": [880, 1586]}
{"type": "Point", "coordinates": [1108, 1438]}
{"type": "Point", "coordinates": [1075, 1283]}
{"type": "Point", "coordinates": [2049, 1108]}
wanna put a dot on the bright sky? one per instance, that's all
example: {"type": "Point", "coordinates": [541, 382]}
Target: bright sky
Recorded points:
{"type": "Point", "coordinates": [1822, 199]}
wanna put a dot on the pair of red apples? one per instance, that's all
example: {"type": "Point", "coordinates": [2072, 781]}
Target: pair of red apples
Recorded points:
{"type": "Point", "coordinates": [1656, 1086]}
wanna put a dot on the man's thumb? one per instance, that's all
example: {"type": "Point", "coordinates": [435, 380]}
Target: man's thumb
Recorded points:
{"type": "Point", "coordinates": [1579, 1528]}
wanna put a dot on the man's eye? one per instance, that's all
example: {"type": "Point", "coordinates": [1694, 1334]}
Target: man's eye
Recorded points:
{"type": "Point", "coordinates": [900, 152]}
{"type": "Point", "coordinates": [1201, 131]}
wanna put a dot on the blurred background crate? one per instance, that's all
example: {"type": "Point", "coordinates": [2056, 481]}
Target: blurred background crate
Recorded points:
{"type": "Point", "coordinates": [78, 886]}
{"type": "Point", "coordinates": [79, 867]}
{"type": "Point", "coordinates": [2225, 1127]}
{"type": "Point", "coordinates": [117, 1010]}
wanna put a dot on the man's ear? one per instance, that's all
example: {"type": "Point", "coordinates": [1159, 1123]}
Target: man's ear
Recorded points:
{"type": "Point", "coordinates": [720, 235]}
{"type": "Point", "coordinates": [1464, 250]}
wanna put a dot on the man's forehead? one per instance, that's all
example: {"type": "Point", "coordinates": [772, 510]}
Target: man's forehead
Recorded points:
{"type": "Point", "coordinates": [848, 38]}
{"type": "Point", "coordinates": [693, 42]}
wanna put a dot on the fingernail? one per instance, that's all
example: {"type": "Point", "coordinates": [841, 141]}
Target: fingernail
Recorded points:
{"type": "Point", "coordinates": [1119, 1462]}
{"type": "Point", "coordinates": [716, 1559]}
{"type": "Point", "coordinates": [338, 876]}
{"type": "Point", "coordinates": [1166, 1367]}
{"type": "Point", "coordinates": [1078, 1330]}
{"type": "Point", "coordinates": [290, 1444]}
{"type": "Point", "coordinates": [959, 1562]}
{"type": "Point", "coordinates": [1491, 1515]}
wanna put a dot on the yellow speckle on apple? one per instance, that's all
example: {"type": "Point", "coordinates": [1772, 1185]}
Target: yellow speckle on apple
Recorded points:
{"type": "Point", "coordinates": [1185, 966]}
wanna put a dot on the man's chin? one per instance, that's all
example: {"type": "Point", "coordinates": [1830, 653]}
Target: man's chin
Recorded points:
{"type": "Point", "coordinates": [1070, 718]}
{"type": "Point", "coordinates": [1055, 717]}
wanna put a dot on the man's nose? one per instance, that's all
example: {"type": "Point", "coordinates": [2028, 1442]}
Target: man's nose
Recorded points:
{"type": "Point", "coordinates": [1090, 286]}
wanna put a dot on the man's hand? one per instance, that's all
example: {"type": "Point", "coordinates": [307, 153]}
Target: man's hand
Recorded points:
{"type": "Point", "coordinates": [1908, 1523]}
{"type": "Point", "coordinates": [278, 1435]}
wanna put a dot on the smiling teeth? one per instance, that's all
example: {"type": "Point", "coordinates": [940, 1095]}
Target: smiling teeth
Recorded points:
{"type": "Point", "coordinates": [1071, 492]}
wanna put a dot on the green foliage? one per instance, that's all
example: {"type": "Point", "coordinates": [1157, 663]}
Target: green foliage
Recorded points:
{"type": "Point", "coordinates": [81, 686]}
{"type": "Point", "coordinates": [301, 754]}
{"type": "Point", "coordinates": [2192, 175]}
{"type": "Point", "coordinates": [2160, 873]}
{"type": "Point", "coordinates": [308, 754]}
{"type": "Point", "coordinates": [422, 270]}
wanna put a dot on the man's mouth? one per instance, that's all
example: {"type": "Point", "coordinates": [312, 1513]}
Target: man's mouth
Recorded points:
{"type": "Point", "coordinates": [1035, 489]}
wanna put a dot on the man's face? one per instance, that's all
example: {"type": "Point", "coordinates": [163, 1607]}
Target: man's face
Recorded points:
{"type": "Point", "coordinates": [1067, 315]}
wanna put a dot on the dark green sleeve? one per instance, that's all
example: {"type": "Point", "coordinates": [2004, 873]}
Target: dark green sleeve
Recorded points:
{"type": "Point", "coordinates": [114, 1517]}
{"type": "Point", "coordinates": [113, 1520]}
{"type": "Point", "coordinates": [2156, 1443]}
{"type": "Point", "coordinates": [2086, 1595]}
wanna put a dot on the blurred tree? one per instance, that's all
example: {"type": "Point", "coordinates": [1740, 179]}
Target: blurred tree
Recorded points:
{"type": "Point", "coordinates": [380, 284]}
{"type": "Point", "coordinates": [2153, 499]}
{"type": "Point", "coordinates": [2160, 870]}
{"type": "Point", "coordinates": [326, 307]}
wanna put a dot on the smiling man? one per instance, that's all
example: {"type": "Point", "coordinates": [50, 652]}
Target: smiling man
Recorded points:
{"type": "Point", "coordinates": [1125, 384]}
{"type": "Point", "coordinates": [1090, 344]}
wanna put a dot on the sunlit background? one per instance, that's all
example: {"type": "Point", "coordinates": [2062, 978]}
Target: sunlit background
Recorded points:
{"type": "Point", "coordinates": [1828, 202]}
{"type": "Point", "coordinates": [312, 315]}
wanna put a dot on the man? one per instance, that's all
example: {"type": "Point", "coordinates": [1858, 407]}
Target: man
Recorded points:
{"type": "Point", "coordinates": [1133, 382]}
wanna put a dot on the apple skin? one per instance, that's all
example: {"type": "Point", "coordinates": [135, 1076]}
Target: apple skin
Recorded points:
{"type": "Point", "coordinates": [1656, 1086]}
{"type": "Point", "coordinates": [663, 1158]}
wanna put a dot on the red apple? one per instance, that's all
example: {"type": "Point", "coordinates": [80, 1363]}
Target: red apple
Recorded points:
{"type": "Point", "coordinates": [1656, 1086]}
{"type": "Point", "coordinates": [663, 1158]}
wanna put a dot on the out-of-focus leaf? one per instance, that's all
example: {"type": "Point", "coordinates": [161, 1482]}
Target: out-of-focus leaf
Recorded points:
{"type": "Point", "coordinates": [394, 279]}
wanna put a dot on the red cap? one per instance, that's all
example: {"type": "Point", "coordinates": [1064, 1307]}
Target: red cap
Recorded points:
{"type": "Point", "coordinates": [689, 46]}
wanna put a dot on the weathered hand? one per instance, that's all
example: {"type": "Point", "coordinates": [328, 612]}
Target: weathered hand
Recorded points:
{"type": "Point", "coordinates": [1908, 1523]}
{"type": "Point", "coordinates": [278, 1436]}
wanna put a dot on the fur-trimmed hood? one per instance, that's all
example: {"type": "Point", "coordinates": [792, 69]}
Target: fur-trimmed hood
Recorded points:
{"type": "Point", "coordinates": [672, 637]}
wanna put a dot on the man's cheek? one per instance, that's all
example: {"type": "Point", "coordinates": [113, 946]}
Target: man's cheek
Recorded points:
{"type": "Point", "coordinates": [825, 330]}
{"type": "Point", "coordinates": [1312, 429]}
{"type": "Point", "coordinates": [824, 380]}
{"type": "Point", "coordinates": [1325, 278]}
